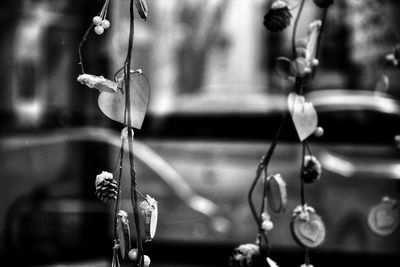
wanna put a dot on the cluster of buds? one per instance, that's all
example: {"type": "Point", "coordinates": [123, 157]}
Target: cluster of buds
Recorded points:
{"type": "Point", "coordinates": [266, 224]}
{"type": "Point", "coordinates": [101, 24]}
{"type": "Point", "coordinates": [100, 21]}
{"type": "Point", "coordinates": [133, 255]}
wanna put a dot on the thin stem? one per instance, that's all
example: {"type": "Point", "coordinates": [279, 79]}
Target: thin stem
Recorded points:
{"type": "Point", "coordinates": [118, 201]}
{"type": "Point", "coordinates": [134, 195]}
{"type": "Point", "coordinates": [296, 22]}
{"type": "Point", "coordinates": [263, 166]}
{"type": "Point", "coordinates": [81, 44]}
{"type": "Point", "coordinates": [324, 16]}
{"type": "Point", "coordinates": [302, 194]}
{"type": "Point", "coordinates": [306, 256]}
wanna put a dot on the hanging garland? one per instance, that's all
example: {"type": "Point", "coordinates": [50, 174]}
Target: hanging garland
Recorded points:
{"type": "Point", "coordinates": [123, 100]}
{"type": "Point", "coordinates": [307, 227]}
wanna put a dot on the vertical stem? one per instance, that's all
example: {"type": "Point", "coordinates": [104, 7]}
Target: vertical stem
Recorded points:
{"type": "Point", "coordinates": [127, 68]}
{"type": "Point", "coordinates": [302, 194]}
{"type": "Point", "coordinates": [324, 15]}
{"type": "Point", "coordinates": [118, 202]}
{"type": "Point", "coordinates": [296, 22]}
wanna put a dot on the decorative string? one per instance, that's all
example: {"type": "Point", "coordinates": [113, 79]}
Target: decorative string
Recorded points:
{"type": "Point", "coordinates": [302, 194]}
{"type": "Point", "coordinates": [134, 194]}
{"type": "Point", "coordinates": [263, 167]}
{"type": "Point", "coordinates": [83, 40]}
{"type": "Point", "coordinates": [118, 201]}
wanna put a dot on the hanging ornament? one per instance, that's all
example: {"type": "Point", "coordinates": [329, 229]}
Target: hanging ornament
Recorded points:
{"type": "Point", "coordinates": [106, 187]}
{"type": "Point", "coordinates": [149, 211]}
{"type": "Point", "coordinates": [383, 219]}
{"type": "Point", "coordinates": [276, 192]}
{"type": "Point", "coordinates": [312, 169]}
{"type": "Point", "coordinates": [307, 228]}
{"type": "Point", "coordinates": [98, 82]}
{"type": "Point", "coordinates": [278, 16]}
{"type": "Point", "coordinates": [123, 232]}
{"type": "Point", "coordinates": [246, 255]}
{"type": "Point", "coordinates": [323, 3]}
{"type": "Point", "coordinates": [113, 105]}
{"type": "Point", "coordinates": [303, 114]}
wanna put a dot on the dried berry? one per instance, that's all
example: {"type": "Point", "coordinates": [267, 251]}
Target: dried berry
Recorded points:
{"type": "Point", "coordinates": [106, 187]}
{"type": "Point", "coordinates": [278, 16]}
{"type": "Point", "coordinates": [312, 169]}
{"type": "Point", "coordinates": [323, 3]}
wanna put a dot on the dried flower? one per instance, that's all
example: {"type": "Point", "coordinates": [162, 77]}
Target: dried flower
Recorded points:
{"type": "Point", "coordinates": [246, 255]}
{"type": "Point", "coordinates": [394, 57]}
{"type": "Point", "coordinates": [323, 3]}
{"type": "Point", "coordinates": [306, 50]}
{"type": "Point", "coordinates": [278, 16]}
{"type": "Point", "coordinates": [312, 169]}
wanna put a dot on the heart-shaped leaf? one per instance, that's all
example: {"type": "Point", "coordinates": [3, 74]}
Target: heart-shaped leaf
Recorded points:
{"type": "Point", "coordinates": [308, 232]}
{"type": "Point", "coordinates": [311, 230]}
{"type": "Point", "coordinates": [384, 218]}
{"type": "Point", "coordinates": [113, 105]}
{"type": "Point", "coordinates": [303, 114]}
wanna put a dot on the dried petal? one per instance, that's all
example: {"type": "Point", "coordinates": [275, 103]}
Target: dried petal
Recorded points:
{"type": "Point", "coordinates": [142, 9]}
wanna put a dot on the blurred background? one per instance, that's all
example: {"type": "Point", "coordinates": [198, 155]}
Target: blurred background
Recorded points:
{"type": "Point", "coordinates": [216, 103]}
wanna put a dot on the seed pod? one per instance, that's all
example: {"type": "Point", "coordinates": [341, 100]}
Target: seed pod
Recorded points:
{"type": "Point", "coordinates": [312, 169]}
{"type": "Point", "coordinates": [278, 16]}
{"type": "Point", "coordinates": [142, 9]}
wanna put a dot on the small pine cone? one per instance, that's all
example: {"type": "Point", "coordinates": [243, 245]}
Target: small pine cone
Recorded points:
{"type": "Point", "coordinates": [278, 16]}
{"type": "Point", "coordinates": [312, 169]}
{"type": "Point", "coordinates": [323, 3]}
{"type": "Point", "coordinates": [106, 187]}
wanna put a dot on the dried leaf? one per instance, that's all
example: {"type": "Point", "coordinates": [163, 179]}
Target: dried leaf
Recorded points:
{"type": "Point", "coordinates": [303, 114]}
{"type": "Point", "coordinates": [113, 105]}
{"type": "Point", "coordinates": [142, 9]}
